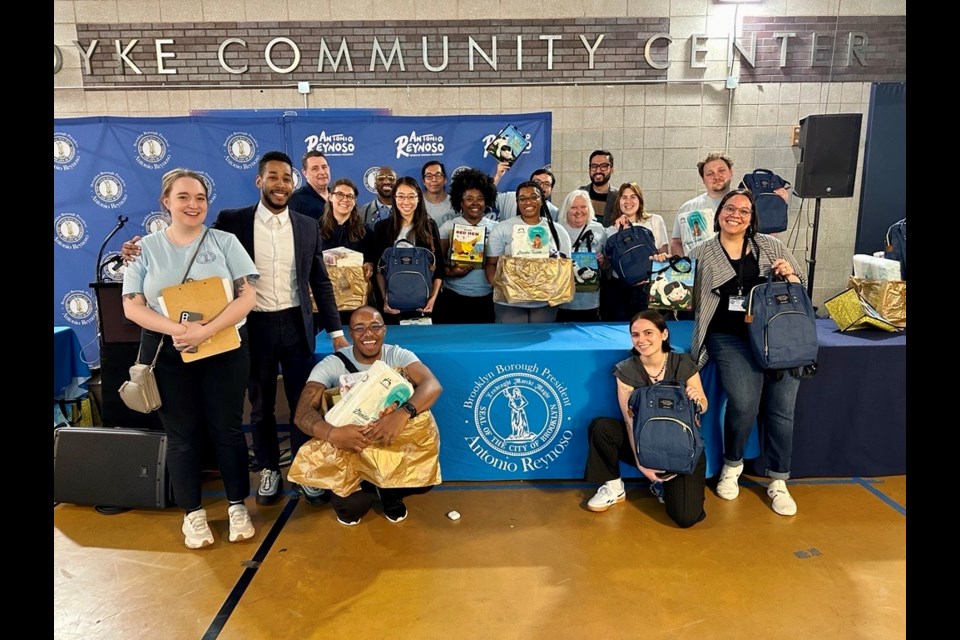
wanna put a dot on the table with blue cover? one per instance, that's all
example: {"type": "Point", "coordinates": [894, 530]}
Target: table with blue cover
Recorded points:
{"type": "Point", "coordinates": [518, 398]}
{"type": "Point", "coordinates": [70, 372]}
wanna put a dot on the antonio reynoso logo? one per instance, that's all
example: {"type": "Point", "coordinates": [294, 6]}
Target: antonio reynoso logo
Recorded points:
{"type": "Point", "coordinates": [370, 179]}
{"type": "Point", "coordinates": [518, 412]}
{"type": "Point", "coordinates": [241, 150]}
{"type": "Point", "coordinates": [156, 221]}
{"type": "Point", "coordinates": [152, 150]}
{"type": "Point", "coordinates": [77, 307]}
{"type": "Point", "coordinates": [109, 190]}
{"type": "Point", "coordinates": [64, 152]}
{"type": "Point", "coordinates": [70, 231]}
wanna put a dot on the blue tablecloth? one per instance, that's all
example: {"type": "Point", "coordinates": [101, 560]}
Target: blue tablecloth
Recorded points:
{"type": "Point", "coordinates": [517, 399]}
{"type": "Point", "coordinates": [70, 372]}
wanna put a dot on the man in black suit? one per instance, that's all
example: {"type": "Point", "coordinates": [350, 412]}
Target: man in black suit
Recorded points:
{"type": "Point", "coordinates": [286, 247]}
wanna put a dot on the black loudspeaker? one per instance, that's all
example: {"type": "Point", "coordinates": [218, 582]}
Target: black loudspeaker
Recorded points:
{"type": "Point", "coordinates": [110, 467]}
{"type": "Point", "coordinates": [115, 362]}
{"type": "Point", "coordinates": [828, 161]}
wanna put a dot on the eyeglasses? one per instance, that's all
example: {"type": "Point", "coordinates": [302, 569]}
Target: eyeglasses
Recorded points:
{"type": "Point", "coordinates": [433, 176]}
{"type": "Point", "coordinates": [405, 196]}
{"type": "Point", "coordinates": [730, 210]}
{"type": "Point", "coordinates": [361, 329]}
{"type": "Point", "coordinates": [528, 198]}
{"type": "Point", "coordinates": [339, 195]}
{"type": "Point", "coordinates": [600, 167]}
{"type": "Point", "coordinates": [543, 183]}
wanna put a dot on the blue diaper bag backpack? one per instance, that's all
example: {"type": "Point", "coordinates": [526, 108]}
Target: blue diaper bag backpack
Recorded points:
{"type": "Point", "coordinates": [782, 326]}
{"type": "Point", "coordinates": [771, 208]}
{"type": "Point", "coordinates": [408, 271]}
{"type": "Point", "coordinates": [666, 427]}
{"type": "Point", "coordinates": [896, 246]}
{"type": "Point", "coordinates": [629, 251]}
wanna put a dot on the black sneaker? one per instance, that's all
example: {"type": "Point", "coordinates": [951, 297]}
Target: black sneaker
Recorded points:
{"type": "Point", "coordinates": [395, 510]}
{"type": "Point", "coordinates": [346, 522]}
{"type": "Point", "coordinates": [314, 496]}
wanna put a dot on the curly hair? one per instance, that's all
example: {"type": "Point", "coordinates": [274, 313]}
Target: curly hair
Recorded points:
{"type": "Point", "coordinates": [472, 179]}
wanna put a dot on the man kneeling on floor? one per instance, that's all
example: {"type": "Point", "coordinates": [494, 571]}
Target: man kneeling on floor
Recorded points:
{"type": "Point", "coordinates": [392, 457]}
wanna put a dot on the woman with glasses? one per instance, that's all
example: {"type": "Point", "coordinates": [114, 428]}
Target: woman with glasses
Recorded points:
{"type": "Point", "coordinates": [728, 266]}
{"type": "Point", "coordinates": [342, 226]}
{"type": "Point", "coordinates": [587, 236]}
{"type": "Point", "coordinates": [466, 296]}
{"type": "Point", "coordinates": [408, 220]}
{"type": "Point", "coordinates": [621, 300]}
{"type": "Point", "coordinates": [531, 211]}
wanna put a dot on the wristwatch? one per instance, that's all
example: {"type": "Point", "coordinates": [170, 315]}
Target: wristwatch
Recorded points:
{"type": "Point", "coordinates": [409, 408]}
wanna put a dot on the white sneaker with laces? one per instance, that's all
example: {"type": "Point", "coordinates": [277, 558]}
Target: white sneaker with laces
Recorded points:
{"type": "Point", "coordinates": [606, 498]}
{"type": "Point", "coordinates": [196, 531]}
{"type": "Point", "coordinates": [269, 489]}
{"type": "Point", "coordinates": [728, 486]}
{"type": "Point", "coordinates": [241, 527]}
{"type": "Point", "coordinates": [783, 502]}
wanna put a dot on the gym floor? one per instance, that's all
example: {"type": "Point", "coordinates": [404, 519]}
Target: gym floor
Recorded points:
{"type": "Point", "coordinates": [526, 560]}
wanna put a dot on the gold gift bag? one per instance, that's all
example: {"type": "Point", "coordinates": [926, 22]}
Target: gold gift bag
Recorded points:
{"type": "Point", "coordinates": [547, 280]}
{"type": "Point", "coordinates": [888, 297]}
{"type": "Point", "coordinates": [851, 311]}
{"type": "Point", "coordinates": [349, 287]}
{"type": "Point", "coordinates": [412, 460]}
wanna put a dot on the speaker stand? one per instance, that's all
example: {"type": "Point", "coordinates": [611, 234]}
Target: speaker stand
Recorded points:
{"type": "Point", "coordinates": [812, 260]}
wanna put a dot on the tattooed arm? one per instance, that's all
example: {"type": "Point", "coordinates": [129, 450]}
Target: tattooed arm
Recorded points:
{"type": "Point", "coordinates": [245, 297]}
{"type": "Point", "coordinates": [307, 418]}
{"type": "Point", "coordinates": [136, 310]}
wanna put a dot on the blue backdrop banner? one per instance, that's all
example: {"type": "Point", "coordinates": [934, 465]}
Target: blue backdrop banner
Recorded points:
{"type": "Point", "coordinates": [109, 168]}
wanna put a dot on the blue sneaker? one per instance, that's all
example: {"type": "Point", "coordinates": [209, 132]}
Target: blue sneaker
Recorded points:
{"type": "Point", "coordinates": [656, 488]}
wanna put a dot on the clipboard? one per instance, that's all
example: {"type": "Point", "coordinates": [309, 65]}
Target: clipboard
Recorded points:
{"type": "Point", "coordinates": [208, 297]}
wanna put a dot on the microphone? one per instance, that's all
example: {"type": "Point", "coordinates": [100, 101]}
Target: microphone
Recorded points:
{"type": "Point", "coordinates": [121, 220]}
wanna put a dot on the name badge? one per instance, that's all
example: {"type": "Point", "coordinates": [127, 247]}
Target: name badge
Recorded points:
{"type": "Point", "coordinates": [737, 303]}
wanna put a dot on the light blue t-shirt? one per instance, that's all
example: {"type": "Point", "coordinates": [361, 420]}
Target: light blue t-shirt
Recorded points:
{"type": "Point", "coordinates": [474, 284]}
{"type": "Point", "coordinates": [500, 243]}
{"type": "Point", "coordinates": [162, 263]}
{"type": "Point", "coordinates": [328, 371]}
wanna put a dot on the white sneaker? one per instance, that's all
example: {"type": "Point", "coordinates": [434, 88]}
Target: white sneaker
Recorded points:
{"type": "Point", "coordinates": [783, 502]}
{"type": "Point", "coordinates": [196, 531]}
{"type": "Point", "coordinates": [241, 527]}
{"type": "Point", "coordinates": [269, 490]}
{"type": "Point", "coordinates": [728, 486]}
{"type": "Point", "coordinates": [605, 498]}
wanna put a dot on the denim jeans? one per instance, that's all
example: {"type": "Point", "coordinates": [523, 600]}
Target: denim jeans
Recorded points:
{"type": "Point", "coordinates": [752, 395]}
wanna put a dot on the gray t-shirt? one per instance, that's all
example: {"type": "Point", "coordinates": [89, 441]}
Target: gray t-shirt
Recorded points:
{"type": "Point", "coordinates": [441, 211]}
{"type": "Point", "coordinates": [328, 371]}
{"type": "Point", "coordinates": [474, 284]}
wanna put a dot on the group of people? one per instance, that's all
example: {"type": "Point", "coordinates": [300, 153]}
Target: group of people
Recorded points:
{"type": "Point", "coordinates": [272, 253]}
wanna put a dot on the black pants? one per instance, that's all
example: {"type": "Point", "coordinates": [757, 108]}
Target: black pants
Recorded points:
{"type": "Point", "coordinates": [609, 444]}
{"type": "Point", "coordinates": [454, 308]}
{"type": "Point", "coordinates": [277, 340]}
{"type": "Point", "coordinates": [358, 503]}
{"type": "Point", "coordinates": [621, 301]}
{"type": "Point", "coordinates": [203, 396]}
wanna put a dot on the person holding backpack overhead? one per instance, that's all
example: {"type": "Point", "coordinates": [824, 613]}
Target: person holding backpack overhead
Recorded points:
{"type": "Point", "coordinates": [728, 265]}
{"type": "Point", "coordinates": [408, 221]}
{"type": "Point", "coordinates": [612, 441]}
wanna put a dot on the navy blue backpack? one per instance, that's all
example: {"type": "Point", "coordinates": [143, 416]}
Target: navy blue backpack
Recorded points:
{"type": "Point", "coordinates": [896, 247]}
{"type": "Point", "coordinates": [629, 251]}
{"type": "Point", "coordinates": [771, 208]}
{"type": "Point", "coordinates": [782, 326]}
{"type": "Point", "coordinates": [408, 271]}
{"type": "Point", "coordinates": [666, 427]}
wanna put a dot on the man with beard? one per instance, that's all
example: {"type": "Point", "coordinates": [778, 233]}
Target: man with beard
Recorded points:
{"type": "Point", "coordinates": [379, 208]}
{"type": "Point", "coordinates": [602, 197]}
{"type": "Point", "coordinates": [286, 247]}
{"type": "Point", "coordinates": [312, 196]}
{"type": "Point", "coordinates": [716, 173]}
{"type": "Point", "coordinates": [435, 198]}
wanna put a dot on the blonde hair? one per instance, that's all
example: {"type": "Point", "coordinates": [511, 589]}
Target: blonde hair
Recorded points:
{"type": "Point", "coordinates": [166, 183]}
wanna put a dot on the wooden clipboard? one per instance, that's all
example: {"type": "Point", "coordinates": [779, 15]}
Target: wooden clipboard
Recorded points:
{"type": "Point", "coordinates": [208, 297]}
